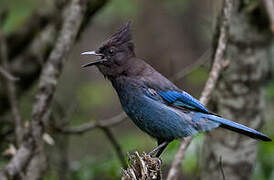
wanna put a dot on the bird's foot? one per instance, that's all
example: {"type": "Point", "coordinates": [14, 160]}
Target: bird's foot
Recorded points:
{"type": "Point", "coordinates": [159, 149]}
{"type": "Point", "coordinates": [151, 153]}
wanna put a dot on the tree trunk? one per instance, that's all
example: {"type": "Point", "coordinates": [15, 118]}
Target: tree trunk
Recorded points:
{"type": "Point", "coordinates": [239, 94]}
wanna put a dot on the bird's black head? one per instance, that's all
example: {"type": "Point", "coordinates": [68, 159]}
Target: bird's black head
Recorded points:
{"type": "Point", "coordinates": [114, 53]}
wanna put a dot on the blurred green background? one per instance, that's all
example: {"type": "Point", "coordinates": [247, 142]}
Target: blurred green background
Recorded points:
{"type": "Point", "coordinates": [170, 35]}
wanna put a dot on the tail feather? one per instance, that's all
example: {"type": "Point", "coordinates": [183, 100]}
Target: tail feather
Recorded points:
{"type": "Point", "coordinates": [239, 128]}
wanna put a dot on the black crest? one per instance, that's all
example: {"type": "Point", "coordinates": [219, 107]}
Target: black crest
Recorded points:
{"type": "Point", "coordinates": [123, 35]}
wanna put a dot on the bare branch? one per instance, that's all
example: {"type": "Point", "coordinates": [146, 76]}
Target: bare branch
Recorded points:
{"type": "Point", "coordinates": [7, 75]}
{"type": "Point", "coordinates": [46, 13]}
{"type": "Point", "coordinates": [104, 125]}
{"type": "Point", "coordinates": [176, 164]}
{"type": "Point", "coordinates": [35, 39]}
{"type": "Point", "coordinates": [92, 125]}
{"type": "Point", "coordinates": [211, 82]}
{"type": "Point", "coordinates": [269, 5]}
{"type": "Point", "coordinates": [18, 162]}
{"type": "Point", "coordinates": [219, 52]}
{"type": "Point", "coordinates": [47, 84]}
{"type": "Point", "coordinates": [11, 91]}
{"type": "Point", "coordinates": [200, 61]}
{"type": "Point", "coordinates": [54, 65]}
{"type": "Point", "coordinates": [115, 145]}
{"type": "Point", "coordinates": [221, 167]}
{"type": "Point", "coordinates": [27, 65]}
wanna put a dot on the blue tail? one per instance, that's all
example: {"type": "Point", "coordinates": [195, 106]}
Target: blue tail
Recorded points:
{"type": "Point", "coordinates": [239, 128]}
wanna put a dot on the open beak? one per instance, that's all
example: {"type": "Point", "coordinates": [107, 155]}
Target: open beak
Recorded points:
{"type": "Point", "coordinates": [94, 62]}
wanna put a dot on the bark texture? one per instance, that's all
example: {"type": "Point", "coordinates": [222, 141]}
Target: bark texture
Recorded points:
{"type": "Point", "coordinates": [29, 162]}
{"type": "Point", "coordinates": [239, 94]}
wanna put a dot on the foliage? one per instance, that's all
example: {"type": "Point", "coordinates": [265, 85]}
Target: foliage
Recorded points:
{"type": "Point", "coordinates": [17, 13]}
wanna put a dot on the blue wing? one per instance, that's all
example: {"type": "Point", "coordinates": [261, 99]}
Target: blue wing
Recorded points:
{"type": "Point", "coordinates": [203, 119]}
{"type": "Point", "coordinates": [182, 99]}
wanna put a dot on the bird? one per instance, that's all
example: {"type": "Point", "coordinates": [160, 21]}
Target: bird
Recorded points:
{"type": "Point", "coordinates": [156, 105]}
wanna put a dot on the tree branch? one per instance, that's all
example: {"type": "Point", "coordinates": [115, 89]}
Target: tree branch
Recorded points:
{"type": "Point", "coordinates": [47, 85]}
{"type": "Point", "coordinates": [115, 145]}
{"type": "Point", "coordinates": [7, 75]}
{"type": "Point", "coordinates": [176, 164]}
{"type": "Point", "coordinates": [218, 64]}
{"type": "Point", "coordinates": [30, 45]}
{"type": "Point", "coordinates": [28, 64]}
{"type": "Point", "coordinates": [92, 125]}
{"type": "Point", "coordinates": [11, 90]}
{"type": "Point", "coordinates": [269, 5]}
{"type": "Point", "coordinates": [35, 40]}
{"type": "Point", "coordinates": [45, 14]}
{"type": "Point", "coordinates": [185, 71]}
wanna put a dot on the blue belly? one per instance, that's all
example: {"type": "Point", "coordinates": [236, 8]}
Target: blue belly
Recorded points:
{"type": "Point", "coordinates": [157, 119]}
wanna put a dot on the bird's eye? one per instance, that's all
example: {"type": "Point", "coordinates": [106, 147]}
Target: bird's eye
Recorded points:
{"type": "Point", "coordinates": [111, 51]}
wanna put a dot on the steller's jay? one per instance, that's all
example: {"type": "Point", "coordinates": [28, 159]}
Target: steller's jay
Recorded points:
{"type": "Point", "coordinates": [154, 103]}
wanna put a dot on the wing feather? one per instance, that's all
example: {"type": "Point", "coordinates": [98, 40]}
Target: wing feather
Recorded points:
{"type": "Point", "coordinates": [182, 99]}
